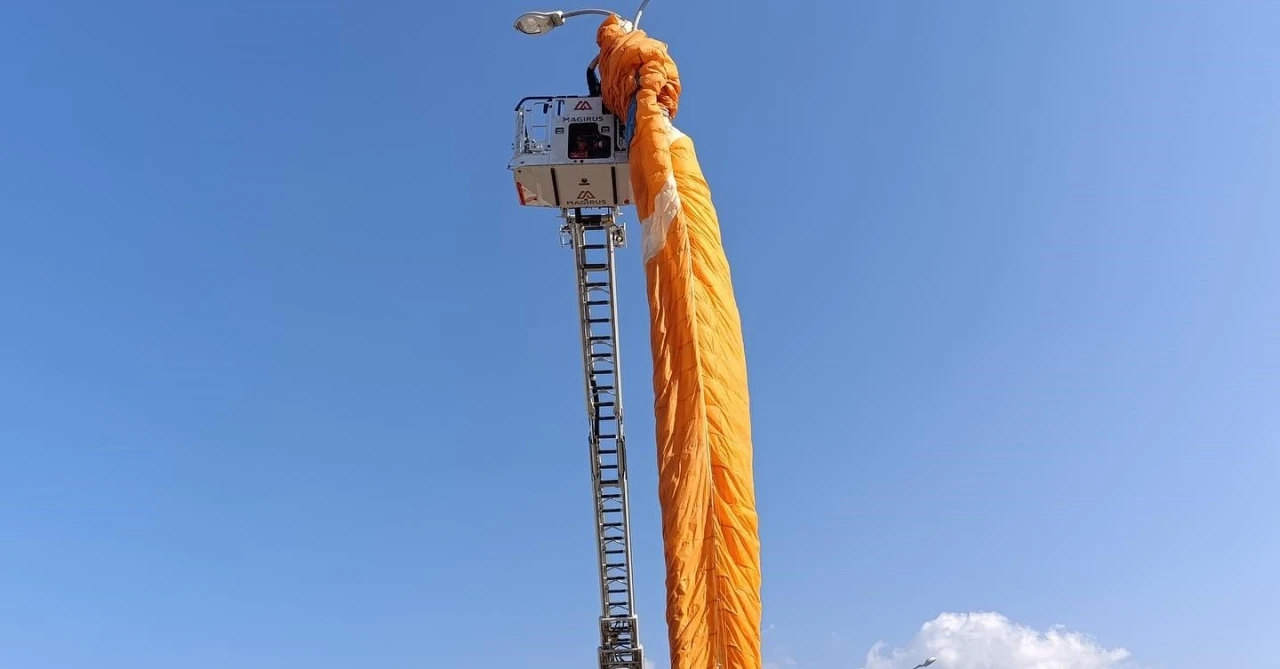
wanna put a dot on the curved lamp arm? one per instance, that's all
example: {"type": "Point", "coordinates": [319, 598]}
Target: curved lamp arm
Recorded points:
{"type": "Point", "coordinates": [639, 13]}
{"type": "Point", "coordinates": [541, 23]}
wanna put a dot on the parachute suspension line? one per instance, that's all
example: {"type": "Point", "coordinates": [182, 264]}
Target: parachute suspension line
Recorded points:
{"type": "Point", "coordinates": [593, 238]}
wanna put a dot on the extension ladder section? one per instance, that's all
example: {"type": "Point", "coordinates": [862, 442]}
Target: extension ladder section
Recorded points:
{"type": "Point", "coordinates": [593, 238]}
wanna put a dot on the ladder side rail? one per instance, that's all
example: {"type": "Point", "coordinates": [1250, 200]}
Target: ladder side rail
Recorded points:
{"type": "Point", "coordinates": [613, 235]}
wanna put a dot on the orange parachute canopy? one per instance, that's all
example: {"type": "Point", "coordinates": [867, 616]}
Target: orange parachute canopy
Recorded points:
{"type": "Point", "coordinates": [705, 484]}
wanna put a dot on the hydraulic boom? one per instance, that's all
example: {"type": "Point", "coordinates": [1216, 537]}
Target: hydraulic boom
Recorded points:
{"type": "Point", "coordinates": [593, 238]}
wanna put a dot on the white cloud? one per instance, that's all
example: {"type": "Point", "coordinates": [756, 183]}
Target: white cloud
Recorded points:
{"type": "Point", "coordinates": [991, 641]}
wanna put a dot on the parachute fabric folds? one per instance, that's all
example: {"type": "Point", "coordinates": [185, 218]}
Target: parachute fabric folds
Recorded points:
{"type": "Point", "coordinates": [705, 482]}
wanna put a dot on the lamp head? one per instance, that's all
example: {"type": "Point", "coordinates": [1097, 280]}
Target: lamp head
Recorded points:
{"type": "Point", "coordinates": [539, 23]}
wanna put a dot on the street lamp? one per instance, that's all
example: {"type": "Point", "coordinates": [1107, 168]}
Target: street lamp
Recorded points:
{"type": "Point", "coordinates": [926, 663]}
{"type": "Point", "coordinates": [541, 23]}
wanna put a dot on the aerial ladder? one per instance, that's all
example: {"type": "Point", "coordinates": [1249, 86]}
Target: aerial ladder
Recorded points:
{"type": "Point", "coordinates": [570, 154]}
{"type": "Point", "coordinates": [593, 238]}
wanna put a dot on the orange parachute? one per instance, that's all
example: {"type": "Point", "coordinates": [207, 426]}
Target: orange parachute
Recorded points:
{"type": "Point", "coordinates": [705, 483]}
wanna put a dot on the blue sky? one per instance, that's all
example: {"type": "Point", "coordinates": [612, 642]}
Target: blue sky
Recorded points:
{"type": "Point", "coordinates": [288, 379]}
